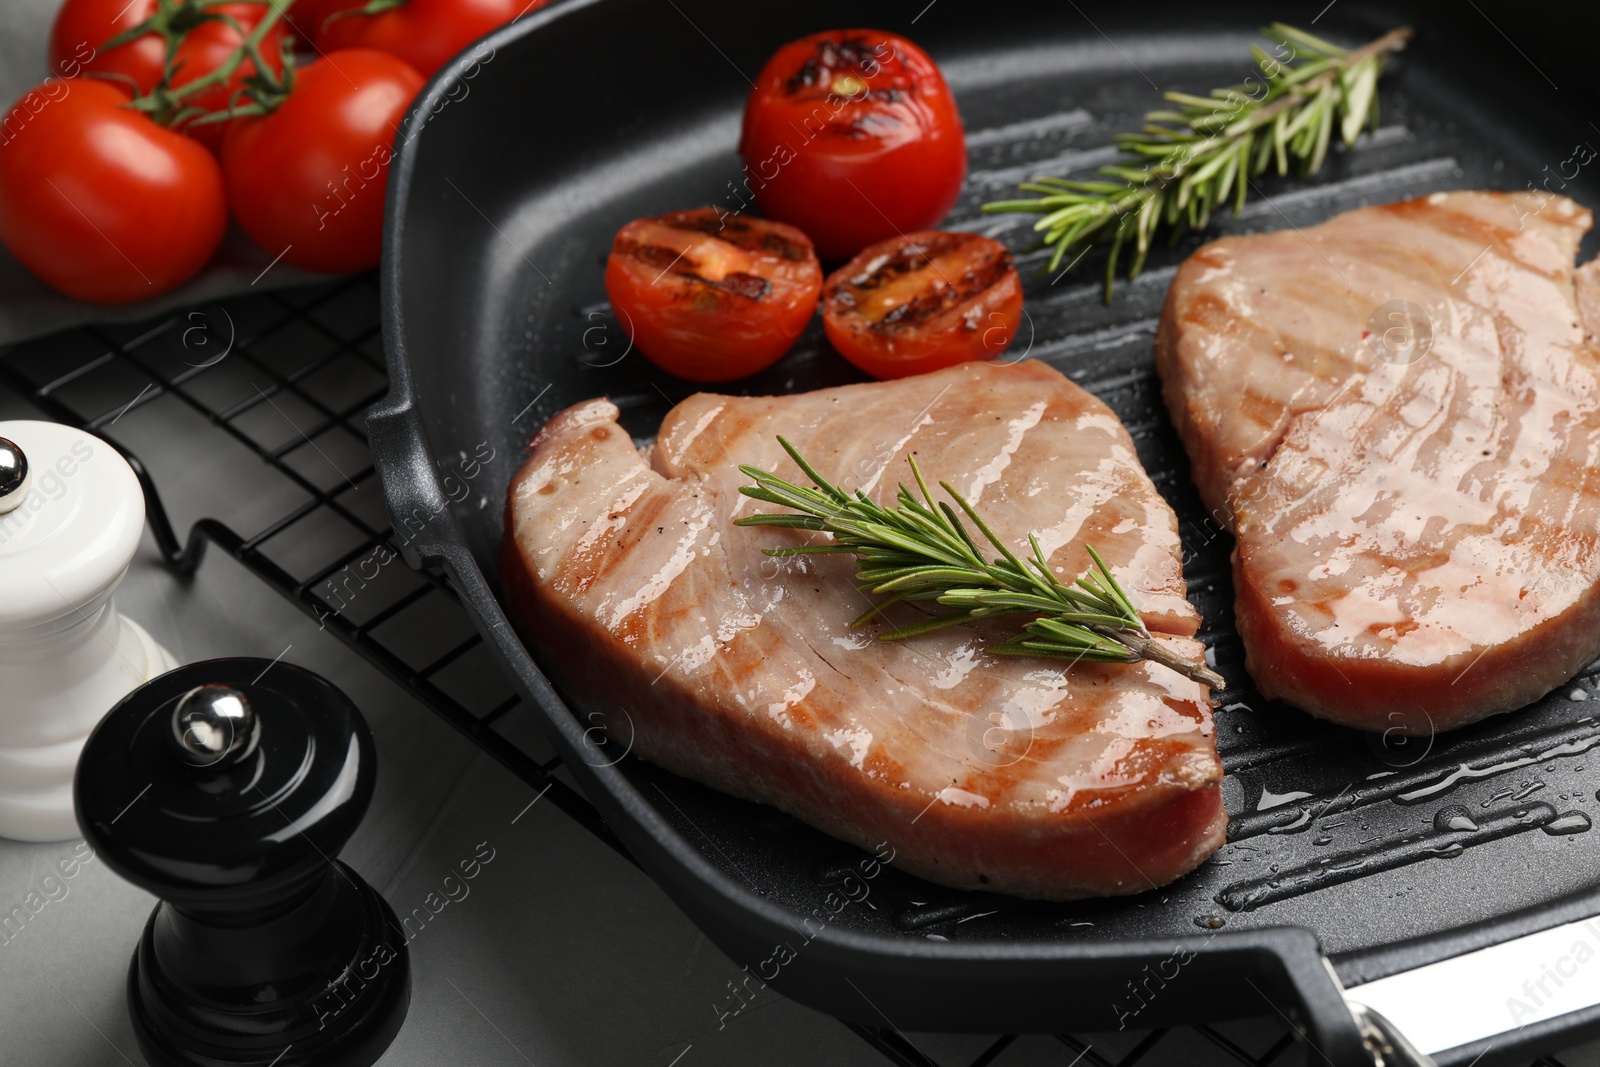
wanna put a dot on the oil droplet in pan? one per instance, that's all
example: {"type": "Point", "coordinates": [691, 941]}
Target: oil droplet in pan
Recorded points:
{"type": "Point", "coordinates": [1573, 822]}
{"type": "Point", "coordinates": [1454, 818]}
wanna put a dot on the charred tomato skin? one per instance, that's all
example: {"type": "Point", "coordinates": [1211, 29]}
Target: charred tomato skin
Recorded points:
{"type": "Point", "coordinates": [710, 296]}
{"type": "Point", "coordinates": [853, 136]}
{"type": "Point", "coordinates": [922, 302]}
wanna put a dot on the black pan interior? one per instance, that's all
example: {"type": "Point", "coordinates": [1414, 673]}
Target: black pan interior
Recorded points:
{"type": "Point", "coordinates": [522, 181]}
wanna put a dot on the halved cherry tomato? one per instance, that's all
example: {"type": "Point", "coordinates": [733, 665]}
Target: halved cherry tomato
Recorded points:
{"type": "Point", "coordinates": [424, 33]}
{"type": "Point", "coordinates": [83, 26]}
{"type": "Point", "coordinates": [917, 303]}
{"type": "Point", "coordinates": [308, 179]}
{"type": "Point", "coordinates": [98, 200]}
{"type": "Point", "coordinates": [710, 296]}
{"type": "Point", "coordinates": [853, 136]}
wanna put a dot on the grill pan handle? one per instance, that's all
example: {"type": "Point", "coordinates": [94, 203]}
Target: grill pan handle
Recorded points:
{"type": "Point", "coordinates": [1536, 992]}
{"type": "Point", "coordinates": [419, 511]}
{"type": "Point", "coordinates": [1387, 1045]}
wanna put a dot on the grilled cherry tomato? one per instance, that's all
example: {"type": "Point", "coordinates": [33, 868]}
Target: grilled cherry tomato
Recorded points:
{"type": "Point", "coordinates": [917, 303]}
{"type": "Point", "coordinates": [308, 179]}
{"type": "Point", "coordinates": [710, 296]}
{"type": "Point", "coordinates": [424, 33]}
{"type": "Point", "coordinates": [98, 200]}
{"type": "Point", "coordinates": [853, 136]}
{"type": "Point", "coordinates": [82, 26]}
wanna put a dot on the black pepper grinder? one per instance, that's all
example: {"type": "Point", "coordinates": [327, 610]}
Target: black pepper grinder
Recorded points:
{"type": "Point", "coordinates": [226, 788]}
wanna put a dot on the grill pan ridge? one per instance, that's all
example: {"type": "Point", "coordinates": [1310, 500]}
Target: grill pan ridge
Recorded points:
{"type": "Point", "coordinates": [1380, 854]}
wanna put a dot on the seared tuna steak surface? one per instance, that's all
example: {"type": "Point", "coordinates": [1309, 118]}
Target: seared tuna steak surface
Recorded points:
{"type": "Point", "coordinates": [1028, 776]}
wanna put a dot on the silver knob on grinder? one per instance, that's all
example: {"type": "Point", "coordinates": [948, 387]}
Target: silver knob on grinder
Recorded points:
{"type": "Point", "coordinates": [213, 724]}
{"type": "Point", "coordinates": [13, 476]}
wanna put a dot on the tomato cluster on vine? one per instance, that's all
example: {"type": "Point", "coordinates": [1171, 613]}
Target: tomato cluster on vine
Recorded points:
{"type": "Point", "coordinates": [161, 118]}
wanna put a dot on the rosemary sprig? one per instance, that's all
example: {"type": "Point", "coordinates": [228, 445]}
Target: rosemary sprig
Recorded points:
{"type": "Point", "coordinates": [920, 550]}
{"type": "Point", "coordinates": [1190, 159]}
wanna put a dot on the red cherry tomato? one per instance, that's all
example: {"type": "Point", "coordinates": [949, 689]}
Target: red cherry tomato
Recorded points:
{"type": "Point", "coordinates": [306, 17]}
{"type": "Point", "coordinates": [308, 179]}
{"type": "Point", "coordinates": [853, 136]}
{"type": "Point", "coordinates": [83, 26]}
{"type": "Point", "coordinates": [712, 297]}
{"type": "Point", "coordinates": [917, 303]}
{"type": "Point", "coordinates": [206, 47]}
{"type": "Point", "coordinates": [425, 33]}
{"type": "Point", "coordinates": [98, 200]}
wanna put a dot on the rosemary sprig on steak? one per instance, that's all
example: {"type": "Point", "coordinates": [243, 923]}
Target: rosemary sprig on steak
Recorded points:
{"type": "Point", "coordinates": [920, 551]}
{"type": "Point", "coordinates": [1189, 160]}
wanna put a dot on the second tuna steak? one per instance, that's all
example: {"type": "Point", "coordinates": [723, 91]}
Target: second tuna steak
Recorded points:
{"type": "Point", "coordinates": [1397, 412]}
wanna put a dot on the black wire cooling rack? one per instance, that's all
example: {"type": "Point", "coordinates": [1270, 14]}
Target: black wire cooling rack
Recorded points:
{"type": "Point", "coordinates": [287, 376]}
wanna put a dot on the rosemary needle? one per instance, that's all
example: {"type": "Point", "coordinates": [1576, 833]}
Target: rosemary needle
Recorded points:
{"type": "Point", "coordinates": [1201, 154]}
{"type": "Point", "coordinates": [920, 550]}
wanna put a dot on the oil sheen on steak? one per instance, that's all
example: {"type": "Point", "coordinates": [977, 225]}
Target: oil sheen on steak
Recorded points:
{"type": "Point", "coordinates": [1416, 524]}
{"type": "Point", "coordinates": [628, 576]}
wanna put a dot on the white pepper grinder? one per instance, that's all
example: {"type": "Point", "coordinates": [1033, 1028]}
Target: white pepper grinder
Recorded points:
{"type": "Point", "coordinates": [71, 515]}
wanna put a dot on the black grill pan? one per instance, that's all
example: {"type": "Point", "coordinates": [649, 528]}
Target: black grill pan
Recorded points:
{"type": "Point", "coordinates": [523, 159]}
